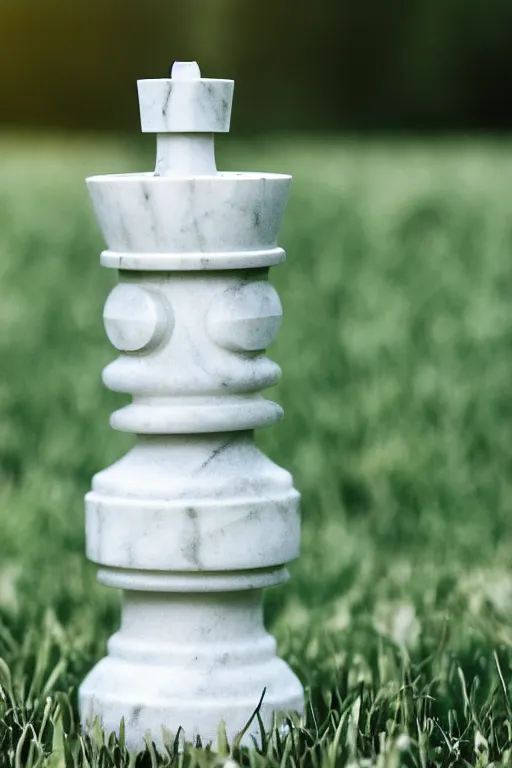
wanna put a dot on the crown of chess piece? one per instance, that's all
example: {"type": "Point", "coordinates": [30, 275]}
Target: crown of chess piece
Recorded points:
{"type": "Point", "coordinates": [194, 522]}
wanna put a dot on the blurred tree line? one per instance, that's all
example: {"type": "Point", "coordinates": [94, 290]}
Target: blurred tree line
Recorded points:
{"type": "Point", "coordinates": [299, 64]}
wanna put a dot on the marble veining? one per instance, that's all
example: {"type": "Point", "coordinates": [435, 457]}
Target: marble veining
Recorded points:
{"type": "Point", "coordinates": [194, 521]}
{"type": "Point", "coordinates": [144, 213]}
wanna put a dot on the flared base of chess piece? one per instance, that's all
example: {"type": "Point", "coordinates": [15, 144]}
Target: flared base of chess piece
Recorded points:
{"type": "Point", "coordinates": [191, 661]}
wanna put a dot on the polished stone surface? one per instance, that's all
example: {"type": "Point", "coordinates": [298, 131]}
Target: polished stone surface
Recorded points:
{"type": "Point", "coordinates": [194, 521]}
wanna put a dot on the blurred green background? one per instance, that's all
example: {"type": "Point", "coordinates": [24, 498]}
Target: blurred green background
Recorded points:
{"type": "Point", "coordinates": [396, 350]}
{"type": "Point", "coordinates": [301, 65]}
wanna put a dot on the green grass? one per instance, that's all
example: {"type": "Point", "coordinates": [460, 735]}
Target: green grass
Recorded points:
{"type": "Point", "coordinates": [396, 349]}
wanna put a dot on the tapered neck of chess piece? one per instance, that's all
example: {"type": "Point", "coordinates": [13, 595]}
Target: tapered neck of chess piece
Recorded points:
{"type": "Point", "coordinates": [185, 111]}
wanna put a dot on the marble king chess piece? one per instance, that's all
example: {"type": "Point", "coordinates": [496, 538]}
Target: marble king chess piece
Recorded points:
{"type": "Point", "coordinates": [194, 522]}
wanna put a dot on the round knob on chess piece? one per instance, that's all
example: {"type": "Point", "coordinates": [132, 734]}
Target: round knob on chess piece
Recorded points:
{"type": "Point", "coordinates": [135, 318]}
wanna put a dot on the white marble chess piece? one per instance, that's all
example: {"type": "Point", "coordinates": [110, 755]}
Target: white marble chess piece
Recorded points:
{"type": "Point", "coordinates": [194, 522]}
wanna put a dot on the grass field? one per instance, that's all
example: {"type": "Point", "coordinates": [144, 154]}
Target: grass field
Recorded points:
{"type": "Point", "coordinates": [396, 349]}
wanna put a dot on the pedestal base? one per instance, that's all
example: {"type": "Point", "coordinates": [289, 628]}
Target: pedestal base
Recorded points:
{"type": "Point", "coordinates": [193, 661]}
